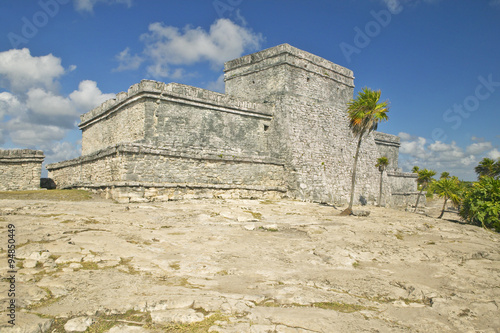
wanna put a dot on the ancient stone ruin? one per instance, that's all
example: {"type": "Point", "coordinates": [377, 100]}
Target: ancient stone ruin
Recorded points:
{"type": "Point", "coordinates": [281, 129]}
{"type": "Point", "coordinates": [20, 169]}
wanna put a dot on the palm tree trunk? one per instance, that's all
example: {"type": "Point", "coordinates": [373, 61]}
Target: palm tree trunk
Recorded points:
{"type": "Point", "coordinates": [444, 206]}
{"type": "Point", "coordinates": [418, 199]}
{"type": "Point", "coordinates": [353, 180]}
{"type": "Point", "coordinates": [380, 192]}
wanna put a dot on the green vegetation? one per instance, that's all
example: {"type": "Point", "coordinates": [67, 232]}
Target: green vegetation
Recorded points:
{"type": "Point", "coordinates": [49, 299]}
{"type": "Point", "coordinates": [382, 163]}
{"type": "Point", "coordinates": [449, 189]}
{"type": "Point", "coordinates": [444, 175]}
{"type": "Point", "coordinates": [424, 179]}
{"type": "Point", "coordinates": [103, 323]}
{"type": "Point", "coordinates": [364, 112]}
{"type": "Point", "coordinates": [268, 229]}
{"type": "Point", "coordinates": [175, 265]}
{"type": "Point", "coordinates": [199, 327]}
{"type": "Point", "coordinates": [57, 195]}
{"type": "Point", "coordinates": [481, 204]}
{"type": "Point", "coordinates": [256, 215]}
{"type": "Point", "coordinates": [488, 168]}
{"type": "Point", "coordinates": [478, 202]}
{"type": "Point", "coordinates": [335, 306]}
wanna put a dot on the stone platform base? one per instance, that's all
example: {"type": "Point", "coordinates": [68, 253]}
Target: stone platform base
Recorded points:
{"type": "Point", "coordinates": [134, 193]}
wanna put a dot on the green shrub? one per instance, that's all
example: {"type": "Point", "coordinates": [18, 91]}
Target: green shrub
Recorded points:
{"type": "Point", "coordinates": [481, 204]}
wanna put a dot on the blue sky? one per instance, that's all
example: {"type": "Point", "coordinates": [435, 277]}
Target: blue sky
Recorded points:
{"type": "Point", "coordinates": [436, 61]}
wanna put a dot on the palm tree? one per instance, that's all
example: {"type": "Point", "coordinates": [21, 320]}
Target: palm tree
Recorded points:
{"type": "Point", "coordinates": [449, 189]}
{"type": "Point", "coordinates": [382, 163]}
{"type": "Point", "coordinates": [365, 112]}
{"type": "Point", "coordinates": [486, 168]}
{"type": "Point", "coordinates": [497, 169]}
{"type": "Point", "coordinates": [424, 178]}
{"type": "Point", "coordinates": [415, 169]}
{"type": "Point", "coordinates": [445, 175]}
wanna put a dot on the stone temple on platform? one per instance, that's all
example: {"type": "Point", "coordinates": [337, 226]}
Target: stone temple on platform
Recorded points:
{"type": "Point", "coordinates": [280, 130]}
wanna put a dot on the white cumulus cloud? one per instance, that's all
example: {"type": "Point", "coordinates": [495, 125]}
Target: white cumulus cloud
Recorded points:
{"type": "Point", "coordinates": [443, 156]}
{"type": "Point", "coordinates": [88, 96]}
{"type": "Point", "coordinates": [478, 147]}
{"type": "Point", "coordinates": [168, 46]}
{"type": "Point", "coordinates": [33, 114]}
{"type": "Point", "coordinates": [27, 134]}
{"type": "Point", "coordinates": [414, 146]}
{"type": "Point", "coordinates": [217, 85]}
{"type": "Point", "coordinates": [20, 71]}
{"type": "Point", "coordinates": [45, 103]}
{"type": "Point", "coordinates": [9, 105]}
{"type": "Point", "coordinates": [127, 61]}
{"type": "Point", "coordinates": [88, 5]}
{"type": "Point", "coordinates": [494, 154]}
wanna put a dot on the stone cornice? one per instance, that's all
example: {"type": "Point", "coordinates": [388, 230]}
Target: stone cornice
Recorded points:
{"type": "Point", "coordinates": [178, 93]}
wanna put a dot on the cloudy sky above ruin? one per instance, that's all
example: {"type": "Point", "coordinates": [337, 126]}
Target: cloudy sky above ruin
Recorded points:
{"type": "Point", "coordinates": [436, 61]}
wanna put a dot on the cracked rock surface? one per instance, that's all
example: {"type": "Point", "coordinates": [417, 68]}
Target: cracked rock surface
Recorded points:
{"type": "Point", "coordinates": [245, 266]}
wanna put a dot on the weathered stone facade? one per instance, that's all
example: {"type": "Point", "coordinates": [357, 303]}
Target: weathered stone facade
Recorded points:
{"type": "Point", "coordinates": [280, 129]}
{"type": "Point", "coordinates": [20, 169]}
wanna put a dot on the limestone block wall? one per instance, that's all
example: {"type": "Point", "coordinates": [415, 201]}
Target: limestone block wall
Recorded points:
{"type": "Point", "coordinates": [403, 187]}
{"type": "Point", "coordinates": [176, 115]}
{"type": "Point", "coordinates": [286, 69]}
{"type": "Point", "coordinates": [308, 97]}
{"type": "Point", "coordinates": [128, 165]}
{"type": "Point", "coordinates": [388, 146]}
{"type": "Point", "coordinates": [20, 169]}
{"type": "Point", "coordinates": [117, 127]}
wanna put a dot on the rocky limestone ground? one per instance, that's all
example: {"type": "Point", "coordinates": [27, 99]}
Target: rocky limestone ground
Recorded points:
{"type": "Point", "coordinates": [245, 266]}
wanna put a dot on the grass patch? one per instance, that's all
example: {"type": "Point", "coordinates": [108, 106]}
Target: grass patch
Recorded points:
{"type": "Point", "coordinates": [407, 301]}
{"type": "Point", "coordinates": [126, 262]}
{"type": "Point", "coordinates": [50, 215]}
{"type": "Point", "coordinates": [268, 229]}
{"type": "Point", "coordinates": [256, 215]}
{"type": "Point", "coordinates": [334, 306]}
{"type": "Point", "coordinates": [175, 265]}
{"type": "Point", "coordinates": [356, 264]}
{"type": "Point", "coordinates": [399, 235]}
{"type": "Point", "coordinates": [341, 307]}
{"type": "Point", "coordinates": [87, 266]}
{"type": "Point", "coordinates": [46, 301]}
{"type": "Point", "coordinates": [57, 195]}
{"type": "Point", "coordinates": [267, 202]}
{"type": "Point", "coordinates": [105, 322]}
{"type": "Point", "coordinates": [199, 327]}
{"type": "Point", "coordinates": [34, 242]}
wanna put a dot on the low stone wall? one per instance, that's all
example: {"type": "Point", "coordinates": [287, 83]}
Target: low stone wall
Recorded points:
{"type": "Point", "coordinates": [403, 187]}
{"type": "Point", "coordinates": [388, 146]}
{"type": "Point", "coordinates": [20, 169]}
{"type": "Point", "coordinates": [128, 172]}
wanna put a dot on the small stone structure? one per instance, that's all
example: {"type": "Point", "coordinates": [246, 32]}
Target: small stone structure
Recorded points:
{"type": "Point", "coordinates": [20, 169]}
{"type": "Point", "coordinates": [281, 129]}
